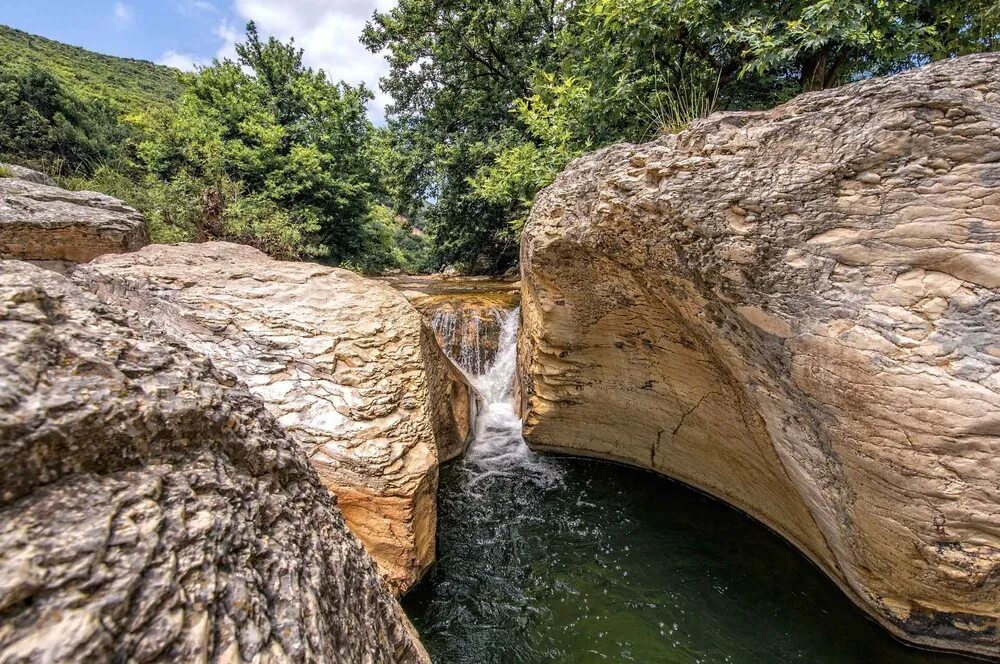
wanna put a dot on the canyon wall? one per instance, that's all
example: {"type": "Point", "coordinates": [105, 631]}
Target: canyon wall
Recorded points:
{"type": "Point", "coordinates": [152, 510]}
{"type": "Point", "coordinates": [797, 311]}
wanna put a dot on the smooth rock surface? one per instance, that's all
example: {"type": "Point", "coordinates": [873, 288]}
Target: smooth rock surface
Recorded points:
{"type": "Point", "coordinates": [344, 363]}
{"type": "Point", "coordinates": [39, 222]}
{"type": "Point", "coordinates": [797, 311]}
{"type": "Point", "coordinates": [151, 510]}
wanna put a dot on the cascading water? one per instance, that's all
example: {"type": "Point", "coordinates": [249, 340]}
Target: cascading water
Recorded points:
{"type": "Point", "coordinates": [497, 447]}
{"type": "Point", "coordinates": [545, 559]}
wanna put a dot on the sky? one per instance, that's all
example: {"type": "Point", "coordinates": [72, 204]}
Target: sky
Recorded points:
{"type": "Point", "coordinates": [186, 33]}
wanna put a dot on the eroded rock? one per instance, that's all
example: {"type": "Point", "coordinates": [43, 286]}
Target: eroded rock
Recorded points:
{"type": "Point", "coordinates": [39, 222]}
{"type": "Point", "coordinates": [797, 311]}
{"type": "Point", "coordinates": [151, 509]}
{"type": "Point", "coordinates": [344, 363]}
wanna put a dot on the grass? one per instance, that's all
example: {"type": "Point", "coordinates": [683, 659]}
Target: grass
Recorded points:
{"type": "Point", "coordinates": [127, 84]}
{"type": "Point", "coordinates": [672, 110]}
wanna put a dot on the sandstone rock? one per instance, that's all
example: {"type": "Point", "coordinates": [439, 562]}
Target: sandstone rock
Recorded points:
{"type": "Point", "coordinates": [45, 223]}
{"type": "Point", "coordinates": [797, 311]}
{"type": "Point", "coordinates": [347, 366]}
{"type": "Point", "coordinates": [28, 174]}
{"type": "Point", "coordinates": [152, 510]}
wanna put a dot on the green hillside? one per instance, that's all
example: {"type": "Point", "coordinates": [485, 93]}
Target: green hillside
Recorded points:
{"type": "Point", "coordinates": [126, 83]}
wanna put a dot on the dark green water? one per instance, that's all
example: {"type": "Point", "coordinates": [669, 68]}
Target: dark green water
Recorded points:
{"type": "Point", "coordinates": [563, 560]}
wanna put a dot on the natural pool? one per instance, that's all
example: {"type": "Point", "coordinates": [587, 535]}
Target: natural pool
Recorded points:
{"type": "Point", "coordinates": [594, 562]}
{"type": "Point", "coordinates": [545, 559]}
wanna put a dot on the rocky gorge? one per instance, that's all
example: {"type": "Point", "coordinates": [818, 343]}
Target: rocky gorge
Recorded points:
{"type": "Point", "coordinates": [796, 311]}
{"type": "Point", "coordinates": [210, 454]}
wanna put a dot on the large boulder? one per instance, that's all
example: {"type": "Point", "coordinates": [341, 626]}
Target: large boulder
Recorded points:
{"type": "Point", "coordinates": [151, 509]}
{"type": "Point", "coordinates": [344, 363]}
{"type": "Point", "coordinates": [797, 311]}
{"type": "Point", "coordinates": [39, 222]}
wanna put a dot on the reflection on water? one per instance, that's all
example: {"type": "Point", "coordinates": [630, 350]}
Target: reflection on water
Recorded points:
{"type": "Point", "coordinates": [559, 560]}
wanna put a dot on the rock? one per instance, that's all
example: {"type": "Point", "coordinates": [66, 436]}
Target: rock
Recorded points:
{"type": "Point", "coordinates": [796, 311]}
{"type": "Point", "coordinates": [344, 363]}
{"type": "Point", "coordinates": [152, 510]}
{"type": "Point", "coordinates": [45, 223]}
{"type": "Point", "coordinates": [28, 174]}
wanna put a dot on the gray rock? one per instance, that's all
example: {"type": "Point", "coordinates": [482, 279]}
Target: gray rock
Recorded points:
{"type": "Point", "coordinates": [46, 223]}
{"type": "Point", "coordinates": [28, 174]}
{"type": "Point", "coordinates": [797, 311]}
{"type": "Point", "coordinates": [152, 510]}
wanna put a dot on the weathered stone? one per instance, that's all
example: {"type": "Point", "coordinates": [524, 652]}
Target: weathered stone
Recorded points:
{"type": "Point", "coordinates": [797, 311]}
{"type": "Point", "coordinates": [45, 223]}
{"type": "Point", "coordinates": [28, 174]}
{"type": "Point", "coordinates": [347, 366]}
{"type": "Point", "coordinates": [151, 510]}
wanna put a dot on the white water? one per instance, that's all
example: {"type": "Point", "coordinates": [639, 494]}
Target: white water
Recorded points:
{"type": "Point", "coordinates": [498, 447]}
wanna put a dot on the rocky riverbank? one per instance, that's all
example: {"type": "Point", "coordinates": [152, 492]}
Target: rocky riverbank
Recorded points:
{"type": "Point", "coordinates": [796, 311]}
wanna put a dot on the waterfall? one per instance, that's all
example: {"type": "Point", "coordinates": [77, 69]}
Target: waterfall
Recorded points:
{"type": "Point", "coordinates": [497, 447]}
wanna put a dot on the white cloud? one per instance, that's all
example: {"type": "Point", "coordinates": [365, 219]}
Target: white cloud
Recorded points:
{"type": "Point", "coordinates": [182, 61]}
{"type": "Point", "coordinates": [123, 15]}
{"type": "Point", "coordinates": [229, 36]}
{"type": "Point", "coordinates": [328, 32]}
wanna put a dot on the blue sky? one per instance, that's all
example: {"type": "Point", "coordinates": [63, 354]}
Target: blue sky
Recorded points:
{"type": "Point", "coordinates": [183, 33]}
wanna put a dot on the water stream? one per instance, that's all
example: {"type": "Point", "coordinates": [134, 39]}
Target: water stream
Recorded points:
{"type": "Point", "coordinates": [546, 559]}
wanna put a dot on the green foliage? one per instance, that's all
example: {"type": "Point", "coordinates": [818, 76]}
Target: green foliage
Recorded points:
{"type": "Point", "coordinates": [456, 71]}
{"type": "Point", "coordinates": [554, 117]}
{"type": "Point", "coordinates": [42, 125]}
{"type": "Point", "coordinates": [6, 172]}
{"type": "Point", "coordinates": [494, 98]}
{"type": "Point", "coordinates": [265, 151]}
{"type": "Point", "coordinates": [262, 151]}
{"type": "Point", "coordinates": [671, 111]}
{"type": "Point", "coordinates": [124, 84]}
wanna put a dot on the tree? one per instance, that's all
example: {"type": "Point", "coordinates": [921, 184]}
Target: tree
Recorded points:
{"type": "Point", "coordinates": [456, 70]}
{"type": "Point", "coordinates": [280, 152]}
{"type": "Point", "coordinates": [43, 125]}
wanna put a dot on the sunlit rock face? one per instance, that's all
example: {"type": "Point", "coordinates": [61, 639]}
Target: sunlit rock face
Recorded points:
{"type": "Point", "coordinates": [797, 311]}
{"type": "Point", "coordinates": [344, 363]}
{"type": "Point", "coordinates": [42, 222]}
{"type": "Point", "coordinates": [152, 510]}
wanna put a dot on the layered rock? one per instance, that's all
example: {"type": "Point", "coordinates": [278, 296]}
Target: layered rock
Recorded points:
{"type": "Point", "coordinates": [797, 311]}
{"type": "Point", "coordinates": [151, 509]}
{"type": "Point", "coordinates": [344, 363]}
{"type": "Point", "coordinates": [40, 222]}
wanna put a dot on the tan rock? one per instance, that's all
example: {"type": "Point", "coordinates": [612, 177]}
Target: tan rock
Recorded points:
{"type": "Point", "coordinates": [344, 363]}
{"type": "Point", "coordinates": [39, 222]}
{"type": "Point", "coordinates": [797, 311]}
{"type": "Point", "coordinates": [151, 510]}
